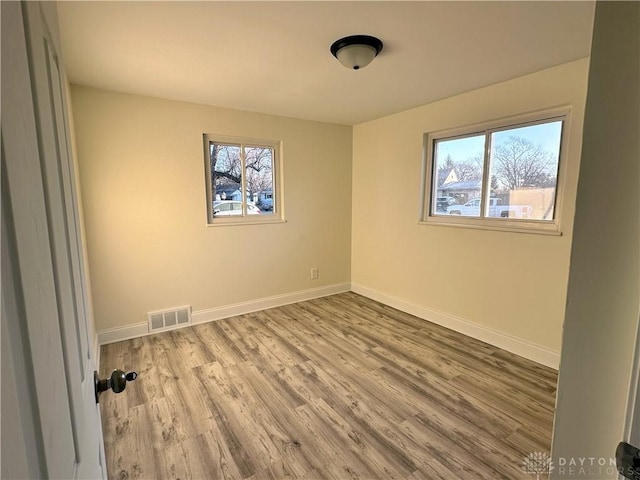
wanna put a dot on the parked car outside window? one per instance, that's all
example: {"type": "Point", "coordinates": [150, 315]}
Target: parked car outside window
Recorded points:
{"type": "Point", "coordinates": [230, 207]}
{"type": "Point", "coordinates": [443, 202]}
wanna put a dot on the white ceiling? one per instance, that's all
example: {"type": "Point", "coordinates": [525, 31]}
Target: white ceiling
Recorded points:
{"type": "Point", "coordinates": [273, 57]}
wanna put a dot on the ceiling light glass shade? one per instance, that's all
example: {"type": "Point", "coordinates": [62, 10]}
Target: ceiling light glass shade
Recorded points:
{"type": "Point", "coordinates": [357, 51]}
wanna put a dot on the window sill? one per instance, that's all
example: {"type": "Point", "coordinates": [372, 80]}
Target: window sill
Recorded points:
{"type": "Point", "coordinates": [499, 226]}
{"type": "Point", "coordinates": [235, 223]}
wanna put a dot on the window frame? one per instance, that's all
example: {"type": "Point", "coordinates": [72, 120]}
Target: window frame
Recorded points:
{"type": "Point", "coordinates": [429, 194]}
{"type": "Point", "coordinates": [274, 216]}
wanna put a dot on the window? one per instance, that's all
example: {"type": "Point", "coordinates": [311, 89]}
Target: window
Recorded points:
{"type": "Point", "coordinates": [242, 180]}
{"type": "Point", "coordinates": [502, 176]}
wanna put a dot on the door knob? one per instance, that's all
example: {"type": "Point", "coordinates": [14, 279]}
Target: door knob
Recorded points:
{"type": "Point", "coordinates": [116, 382]}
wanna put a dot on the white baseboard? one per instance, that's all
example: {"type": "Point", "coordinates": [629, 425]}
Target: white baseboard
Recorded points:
{"type": "Point", "coordinates": [117, 334]}
{"type": "Point", "coordinates": [141, 329]}
{"type": "Point", "coordinates": [523, 348]}
{"type": "Point", "coordinates": [227, 311]}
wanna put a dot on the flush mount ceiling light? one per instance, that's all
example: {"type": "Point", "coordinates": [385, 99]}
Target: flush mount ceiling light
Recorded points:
{"type": "Point", "coordinates": [356, 51]}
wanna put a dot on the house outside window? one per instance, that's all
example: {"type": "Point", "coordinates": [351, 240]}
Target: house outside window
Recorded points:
{"type": "Point", "coordinates": [503, 175]}
{"type": "Point", "coordinates": [243, 178]}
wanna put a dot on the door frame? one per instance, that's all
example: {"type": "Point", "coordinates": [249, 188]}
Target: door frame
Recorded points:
{"type": "Point", "coordinates": [632, 424]}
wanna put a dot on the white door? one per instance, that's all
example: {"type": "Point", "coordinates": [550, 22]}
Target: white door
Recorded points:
{"type": "Point", "coordinates": [43, 243]}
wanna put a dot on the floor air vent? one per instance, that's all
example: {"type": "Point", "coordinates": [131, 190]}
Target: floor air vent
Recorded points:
{"type": "Point", "coordinates": [168, 319]}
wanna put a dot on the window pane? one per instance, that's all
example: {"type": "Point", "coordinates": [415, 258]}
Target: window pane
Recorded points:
{"type": "Point", "coordinates": [259, 175]}
{"type": "Point", "coordinates": [524, 172]}
{"type": "Point", "coordinates": [226, 178]}
{"type": "Point", "coordinates": [457, 178]}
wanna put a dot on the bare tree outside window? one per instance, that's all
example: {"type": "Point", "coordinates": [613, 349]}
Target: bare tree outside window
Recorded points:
{"type": "Point", "coordinates": [458, 171]}
{"type": "Point", "coordinates": [518, 162]}
{"type": "Point", "coordinates": [500, 172]}
{"type": "Point", "coordinates": [226, 172]}
{"type": "Point", "coordinates": [259, 174]}
{"type": "Point", "coordinates": [524, 162]}
{"type": "Point", "coordinates": [466, 170]}
{"type": "Point", "coordinates": [241, 179]}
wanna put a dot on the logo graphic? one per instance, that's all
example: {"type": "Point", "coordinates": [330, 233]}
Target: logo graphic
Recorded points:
{"type": "Point", "coordinates": [537, 463]}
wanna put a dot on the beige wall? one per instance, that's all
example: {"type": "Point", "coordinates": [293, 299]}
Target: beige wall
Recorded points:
{"type": "Point", "coordinates": [511, 282]}
{"type": "Point", "coordinates": [603, 297]}
{"type": "Point", "coordinates": [142, 178]}
{"type": "Point", "coordinates": [143, 189]}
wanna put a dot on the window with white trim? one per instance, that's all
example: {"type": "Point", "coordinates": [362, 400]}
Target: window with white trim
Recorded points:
{"type": "Point", "coordinates": [502, 175]}
{"type": "Point", "coordinates": [243, 184]}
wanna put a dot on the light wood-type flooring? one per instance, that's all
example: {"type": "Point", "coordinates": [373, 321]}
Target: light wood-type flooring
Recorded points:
{"type": "Point", "coordinates": [339, 387]}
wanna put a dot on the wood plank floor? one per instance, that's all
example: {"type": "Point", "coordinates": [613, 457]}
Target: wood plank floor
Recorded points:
{"type": "Point", "coordinates": [340, 387]}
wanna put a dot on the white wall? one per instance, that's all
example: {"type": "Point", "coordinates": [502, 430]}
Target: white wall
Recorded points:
{"type": "Point", "coordinates": [510, 283]}
{"type": "Point", "coordinates": [142, 176]}
{"type": "Point", "coordinates": [604, 286]}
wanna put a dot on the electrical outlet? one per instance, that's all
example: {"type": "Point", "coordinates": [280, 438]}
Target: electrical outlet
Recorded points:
{"type": "Point", "coordinates": [314, 273]}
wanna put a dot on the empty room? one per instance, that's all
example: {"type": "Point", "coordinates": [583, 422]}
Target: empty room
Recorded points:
{"type": "Point", "coordinates": [345, 240]}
